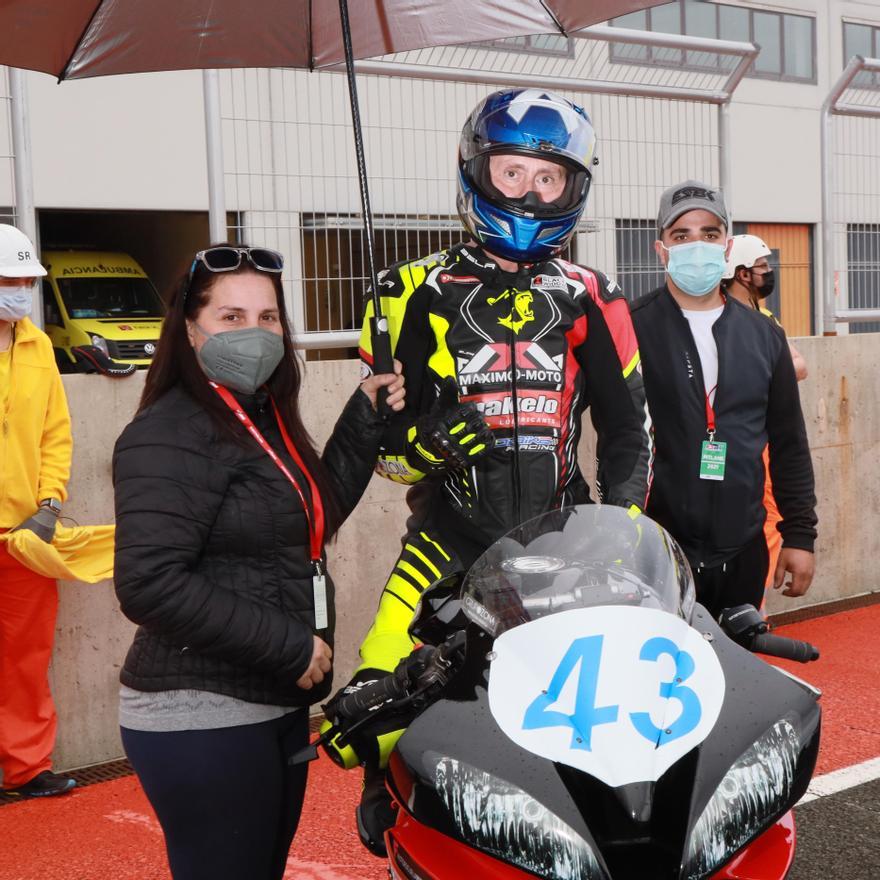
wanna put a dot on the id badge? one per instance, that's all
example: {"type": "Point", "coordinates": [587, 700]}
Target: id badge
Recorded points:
{"type": "Point", "coordinates": [712, 460]}
{"type": "Point", "coordinates": [319, 587]}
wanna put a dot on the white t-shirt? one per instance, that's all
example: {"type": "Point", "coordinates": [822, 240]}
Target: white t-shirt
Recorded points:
{"type": "Point", "coordinates": [701, 326]}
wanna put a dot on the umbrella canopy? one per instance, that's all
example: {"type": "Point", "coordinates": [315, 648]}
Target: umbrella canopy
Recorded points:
{"type": "Point", "coordinates": [82, 38]}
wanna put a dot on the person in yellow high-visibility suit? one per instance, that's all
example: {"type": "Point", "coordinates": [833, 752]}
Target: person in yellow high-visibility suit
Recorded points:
{"type": "Point", "coordinates": [750, 279]}
{"type": "Point", "coordinates": [35, 454]}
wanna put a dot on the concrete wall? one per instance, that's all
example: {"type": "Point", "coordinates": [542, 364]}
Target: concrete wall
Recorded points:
{"type": "Point", "coordinates": [841, 402]}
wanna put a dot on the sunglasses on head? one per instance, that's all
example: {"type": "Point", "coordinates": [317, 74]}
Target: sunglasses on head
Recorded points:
{"type": "Point", "coordinates": [227, 259]}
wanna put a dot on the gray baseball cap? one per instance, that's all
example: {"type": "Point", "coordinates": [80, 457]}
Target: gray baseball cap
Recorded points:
{"type": "Point", "coordinates": [690, 195]}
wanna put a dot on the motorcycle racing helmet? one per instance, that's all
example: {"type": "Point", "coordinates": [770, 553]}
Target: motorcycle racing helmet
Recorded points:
{"type": "Point", "coordinates": [746, 250]}
{"type": "Point", "coordinates": [528, 122]}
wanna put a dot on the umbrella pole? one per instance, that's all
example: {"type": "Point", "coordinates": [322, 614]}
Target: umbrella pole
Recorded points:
{"type": "Point", "coordinates": [380, 338]}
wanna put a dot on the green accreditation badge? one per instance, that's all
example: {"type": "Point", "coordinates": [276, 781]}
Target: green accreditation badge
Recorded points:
{"type": "Point", "coordinates": [712, 460]}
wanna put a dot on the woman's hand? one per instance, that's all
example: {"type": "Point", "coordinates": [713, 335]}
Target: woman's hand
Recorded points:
{"type": "Point", "coordinates": [393, 382]}
{"type": "Point", "coordinates": [319, 666]}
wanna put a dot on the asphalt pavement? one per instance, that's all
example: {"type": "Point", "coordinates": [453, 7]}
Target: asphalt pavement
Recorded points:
{"type": "Point", "coordinates": [838, 836]}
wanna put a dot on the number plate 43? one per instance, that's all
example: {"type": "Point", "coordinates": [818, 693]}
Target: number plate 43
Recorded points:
{"type": "Point", "coordinates": [620, 693]}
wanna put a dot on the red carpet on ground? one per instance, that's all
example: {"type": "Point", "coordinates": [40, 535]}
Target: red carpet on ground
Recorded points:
{"type": "Point", "coordinates": [846, 673]}
{"type": "Point", "coordinates": [109, 831]}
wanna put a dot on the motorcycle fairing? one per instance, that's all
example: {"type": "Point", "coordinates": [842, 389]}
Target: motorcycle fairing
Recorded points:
{"type": "Point", "coordinates": [652, 838]}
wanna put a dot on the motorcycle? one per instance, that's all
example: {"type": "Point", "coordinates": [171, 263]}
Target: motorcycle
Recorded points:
{"type": "Point", "coordinates": [578, 716]}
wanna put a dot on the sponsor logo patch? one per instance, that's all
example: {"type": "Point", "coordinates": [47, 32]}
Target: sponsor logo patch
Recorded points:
{"type": "Point", "coordinates": [528, 443]}
{"type": "Point", "coordinates": [520, 302]}
{"type": "Point", "coordinates": [533, 408]}
{"type": "Point", "coordinates": [492, 365]}
{"type": "Point", "coordinates": [692, 192]}
{"type": "Point", "coordinates": [392, 467]}
{"type": "Point", "coordinates": [549, 282]}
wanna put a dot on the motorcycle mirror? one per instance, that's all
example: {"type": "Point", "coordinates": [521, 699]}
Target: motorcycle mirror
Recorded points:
{"type": "Point", "coordinates": [439, 610]}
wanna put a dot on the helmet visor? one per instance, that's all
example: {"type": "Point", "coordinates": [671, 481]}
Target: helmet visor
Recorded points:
{"type": "Point", "coordinates": [572, 198]}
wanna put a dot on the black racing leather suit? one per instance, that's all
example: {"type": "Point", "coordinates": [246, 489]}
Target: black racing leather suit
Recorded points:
{"type": "Point", "coordinates": [531, 350]}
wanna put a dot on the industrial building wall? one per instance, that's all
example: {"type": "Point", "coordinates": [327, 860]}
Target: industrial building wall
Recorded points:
{"type": "Point", "coordinates": [137, 143]}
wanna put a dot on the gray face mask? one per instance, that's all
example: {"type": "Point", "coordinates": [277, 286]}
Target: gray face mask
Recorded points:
{"type": "Point", "coordinates": [242, 360]}
{"type": "Point", "coordinates": [15, 303]}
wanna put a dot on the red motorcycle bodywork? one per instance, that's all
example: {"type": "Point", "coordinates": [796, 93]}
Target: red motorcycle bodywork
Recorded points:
{"type": "Point", "coordinates": [768, 857]}
{"type": "Point", "coordinates": [417, 852]}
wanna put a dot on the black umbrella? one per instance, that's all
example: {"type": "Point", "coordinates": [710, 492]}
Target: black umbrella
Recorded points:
{"type": "Point", "coordinates": [83, 38]}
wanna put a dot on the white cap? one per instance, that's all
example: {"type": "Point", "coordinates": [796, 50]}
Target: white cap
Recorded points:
{"type": "Point", "coordinates": [746, 250]}
{"type": "Point", "coordinates": [18, 257]}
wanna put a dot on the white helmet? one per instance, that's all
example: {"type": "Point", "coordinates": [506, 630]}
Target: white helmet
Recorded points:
{"type": "Point", "coordinates": [746, 250]}
{"type": "Point", "coordinates": [18, 257]}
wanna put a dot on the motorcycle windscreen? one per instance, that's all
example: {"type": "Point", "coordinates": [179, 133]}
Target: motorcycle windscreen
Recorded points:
{"type": "Point", "coordinates": [618, 693]}
{"type": "Point", "coordinates": [595, 664]}
{"type": "Point", "coordinates": [582, 557]}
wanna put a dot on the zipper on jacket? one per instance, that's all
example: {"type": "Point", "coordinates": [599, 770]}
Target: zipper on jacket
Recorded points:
{"type": "Point", "coordinates": [517, 480]}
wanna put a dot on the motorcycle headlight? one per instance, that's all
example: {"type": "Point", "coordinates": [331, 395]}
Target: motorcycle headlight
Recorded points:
{"type": "Point", "coordinates": [100, 342]}
{"type": "Point", "coordinates": [755, 789]}
{"type": "Point", "coordinates": [505, 821]}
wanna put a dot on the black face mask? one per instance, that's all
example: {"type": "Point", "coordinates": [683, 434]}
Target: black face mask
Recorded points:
{"type": "Point", "coordinates": [768, 285]}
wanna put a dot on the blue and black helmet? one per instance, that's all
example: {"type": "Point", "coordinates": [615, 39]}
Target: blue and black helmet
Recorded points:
{"type": "Point", "coordinates": [529, 122]}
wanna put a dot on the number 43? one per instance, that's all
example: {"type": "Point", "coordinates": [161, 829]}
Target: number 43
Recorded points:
{"type": "Point", "coordinates": [587, 652]}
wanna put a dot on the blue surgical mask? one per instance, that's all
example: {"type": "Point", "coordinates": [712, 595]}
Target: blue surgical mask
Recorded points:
{"type": "Point", "coordinates": [696, 267]}
{"type": "Point", "coordinates": [15, 303]}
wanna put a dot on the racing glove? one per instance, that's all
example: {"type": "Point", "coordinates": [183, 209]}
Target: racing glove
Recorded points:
{"type": "Point", "coordinates": [450, 435]}
{"type": "Point", "coordinates": [373, 741]}
{"type": "Point", "coordinates": [43, 522]}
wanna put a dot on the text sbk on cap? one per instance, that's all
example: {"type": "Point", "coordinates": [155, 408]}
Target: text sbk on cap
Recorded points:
{"type": "Point", "coordinates": [691, 195]}
{"type": "Point", "coordinates": [18, 257]}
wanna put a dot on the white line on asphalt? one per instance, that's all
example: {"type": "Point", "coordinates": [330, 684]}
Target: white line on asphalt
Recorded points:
{"type": "Point", "coordinates": [840, 780]}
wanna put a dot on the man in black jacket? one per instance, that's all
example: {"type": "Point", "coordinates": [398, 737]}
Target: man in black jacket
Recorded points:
{"type": "Point", "coordinates": [720, 385]}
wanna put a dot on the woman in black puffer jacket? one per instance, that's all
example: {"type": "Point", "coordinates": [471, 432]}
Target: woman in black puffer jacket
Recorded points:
{"type": "Point", "coordinates": [223, 508]}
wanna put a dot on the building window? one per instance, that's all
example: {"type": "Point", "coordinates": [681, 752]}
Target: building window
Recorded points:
{"type": "Point", "coordinates": [864, 40]}
{"type": "Point", "coordinates": [863, 271]}
{"type": "Point", "coordinates": [638, 269]}
{"type": "Point", "coordinates": [335, 263]}
{"type": "Point", "coordinates": [552, 45]}
{"type": "Point", "coordinates": [787, 41]}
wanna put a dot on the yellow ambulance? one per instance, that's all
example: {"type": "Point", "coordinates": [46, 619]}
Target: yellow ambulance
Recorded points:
{"type": "Point", "coordinates": [99, 300]}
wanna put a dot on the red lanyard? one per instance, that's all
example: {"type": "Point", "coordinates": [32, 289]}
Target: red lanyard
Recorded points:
{"type": "Point", "coordinates": [710, 415]}
{"type": "Point", "coordinates": [316, 522]}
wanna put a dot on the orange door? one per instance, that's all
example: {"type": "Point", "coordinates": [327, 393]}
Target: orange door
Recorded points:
{"type": "Point", "coordinates": [790, 244]}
